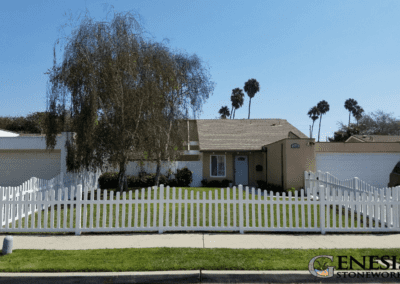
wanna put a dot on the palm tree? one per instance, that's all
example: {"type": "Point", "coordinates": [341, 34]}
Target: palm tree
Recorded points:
{"type": "Point", "coordinates": [323, 107]}
{"type": "Point", "coordinates": [234, 102]}
{"type": "Point", "coordinates": [237, 100]}
{"type": "Point", "coordinates": [357, 113]}
{"type": "Point", "coordinates": [251, 87]}
{"type": "Point", "coordinates": [314, 115]}
{"type": "Point", "coordinates": [350, 106]}
{"type": "Point", "coordinates": [224, 112]}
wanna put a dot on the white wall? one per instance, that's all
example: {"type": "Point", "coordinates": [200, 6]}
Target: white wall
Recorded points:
{"type": "Point", "coordinates": [4, 133]}
{"type": "Point", "coordinates": [20, 165]}
{"type": "Point", "coordinates": [16, 167]}
{"type": "Point", "coordinates": [373, 168]}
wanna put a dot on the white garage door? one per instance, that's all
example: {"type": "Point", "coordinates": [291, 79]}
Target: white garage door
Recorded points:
{"type": "Point", "coordinates": [16, 167]}
{"type": "Point", "coordinates": [373, 168]}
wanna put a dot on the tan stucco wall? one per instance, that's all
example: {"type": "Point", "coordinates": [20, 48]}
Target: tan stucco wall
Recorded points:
{"type": "Point", "coordinates": [274, 163]}
{"type": "Point", "coordinates": [297, 161]}
{"type": "Point", "coordinates": [254, 158]}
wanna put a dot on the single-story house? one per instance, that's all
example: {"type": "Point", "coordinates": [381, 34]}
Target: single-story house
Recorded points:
{"type": "Point", "coordinates": [241, 150]}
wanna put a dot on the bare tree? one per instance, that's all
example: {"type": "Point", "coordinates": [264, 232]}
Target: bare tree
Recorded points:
{"type": "Point", "coordinates": [382, 124]}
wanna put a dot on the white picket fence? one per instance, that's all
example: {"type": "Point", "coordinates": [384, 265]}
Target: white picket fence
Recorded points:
{"type": "Point", "coordinates": [41, 186]}
{"type": "Point", "coordinates": [330, 181]}
{"type": "Point", "coordinates": [233, 215]}
{"type": "Point", "coordinates": [357, 196]}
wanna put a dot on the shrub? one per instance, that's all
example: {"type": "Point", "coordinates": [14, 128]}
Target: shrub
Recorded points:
{"type": "Point", "coordinates": [204, 182]}
{"type": "Point", "coordinates": [225, 182]}
{"type": "Point", "coordinates": [108, 180]}
{"type": "Point", "coordinates": [275, 188]}
{"type": "Point", "coordinates": [184, 177]}
{"type": "Point", "coordinates": [173, 183]}
{"type": "Point", "coordinates": [132, 181]}
{"type": "Point", "coordinates": [214, 183]}
{"type": "Point", "coordinates": [163, 180]}
{"type": "Point", "coordinates": [262, 184]}
{"type": "Point", "coordinates": [292, 190]}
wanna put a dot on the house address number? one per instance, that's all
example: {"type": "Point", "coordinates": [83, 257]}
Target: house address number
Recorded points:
{"type": "Point", "coordinates": [295, 145]}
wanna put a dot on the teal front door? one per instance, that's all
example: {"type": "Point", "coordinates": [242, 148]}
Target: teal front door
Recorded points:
{"type": "Point", "coordinates": [241, 170]}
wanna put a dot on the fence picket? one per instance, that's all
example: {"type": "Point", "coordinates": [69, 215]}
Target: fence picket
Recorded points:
{"type": "Point", "coordinates": [186, 209]}
{"type": "Point", "coordinates": [129, 210]}
{"type": "Point", "coordinates": [247, 208]}
{"type": "Point", "coordinates": [272, 211]}
{"type": "Point", "coordinates": [197, 208]}
{"type": "Point", "coordinates": [290, 210]}
{"type": "Point", "coordinates": [241, 229]}
{"type": "Point", "coordinates": [258, 208]}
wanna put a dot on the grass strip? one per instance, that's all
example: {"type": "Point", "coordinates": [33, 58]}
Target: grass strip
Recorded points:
{"type": "Point", "coordinates": [166, 259]}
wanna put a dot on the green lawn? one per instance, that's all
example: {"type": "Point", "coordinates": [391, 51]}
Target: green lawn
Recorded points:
{"type": "Point", "coordinates": [167, 259]}
{"type": "Point", "coordinates": [182, 221]}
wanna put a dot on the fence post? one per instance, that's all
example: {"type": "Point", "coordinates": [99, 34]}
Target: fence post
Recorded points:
{"type": "Point", "coordinates": [78, 210]}
{"type": "Point", "coordinates": [395, 200]}
{"type": "Point", "coordinates": [322, 209]}
{"type": "Point", "coordinates": [161, 211]}
{"type": "Point", "coordinates": [61, 184]}
{"type": "Point", "coordinates": [355, 183]}
{"type": "Point", "coordinates": [240, 208]}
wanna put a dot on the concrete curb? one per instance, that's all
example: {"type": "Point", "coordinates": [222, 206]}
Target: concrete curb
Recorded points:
{"type": "Point", "coordinates": [190, 276]}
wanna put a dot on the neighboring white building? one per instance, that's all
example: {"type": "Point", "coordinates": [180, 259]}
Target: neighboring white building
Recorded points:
{"type": "Point", "coordinates": [4, 133]}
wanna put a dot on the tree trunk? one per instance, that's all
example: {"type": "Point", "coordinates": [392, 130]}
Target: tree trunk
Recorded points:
{"type": "Point", "coordinates": [312, 128]}
{"type": "Point", "coordinates": [319, 130]}
{"type": "Point", "coordinates": [249, 108]}
{"type": "Point", "coordinates": [157, 181]}
{"type": "Point", "coordinates": [349, 119]}
{"type": "Point", "coordinates": [122, 181]}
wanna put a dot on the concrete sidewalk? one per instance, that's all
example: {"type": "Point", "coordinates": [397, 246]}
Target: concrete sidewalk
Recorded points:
{"type": "Point", "coordinates": [206, 240]}
{"type": "Point", "coordinates": [197, 240]}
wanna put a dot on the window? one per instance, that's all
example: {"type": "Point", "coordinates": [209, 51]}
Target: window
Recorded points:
{"type": "Point", "coordinates": [218, 166]}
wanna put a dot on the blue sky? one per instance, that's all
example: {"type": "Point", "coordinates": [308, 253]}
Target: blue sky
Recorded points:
{"type": "Point", "coordinates": [301, 52]}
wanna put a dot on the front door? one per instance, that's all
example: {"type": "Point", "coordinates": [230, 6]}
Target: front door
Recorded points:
{"type": "Point", "coordinates": [241, 170]}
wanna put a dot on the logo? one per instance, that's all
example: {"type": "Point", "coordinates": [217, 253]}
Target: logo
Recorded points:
{"type": "Point", "coordinates": [323, 271]}
{"type": "Point", "coordinates": [319, 268]}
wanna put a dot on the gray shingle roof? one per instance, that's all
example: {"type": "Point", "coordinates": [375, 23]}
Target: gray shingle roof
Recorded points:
{"type": "Point", "coordinates": [242, 134]}
{"type": "Point", "coordinates": [377, 138]}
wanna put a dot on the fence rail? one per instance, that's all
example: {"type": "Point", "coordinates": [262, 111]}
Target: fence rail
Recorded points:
{"type": "Point", "coordinates": [25, 191]}
{"type": "Point", "coordinates": [236, 212]}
